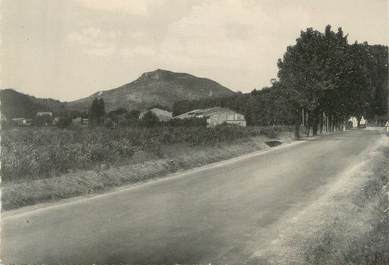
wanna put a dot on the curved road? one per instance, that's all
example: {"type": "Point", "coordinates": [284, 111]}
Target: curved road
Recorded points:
{"type": "Point", "coordinates": [213, 215]}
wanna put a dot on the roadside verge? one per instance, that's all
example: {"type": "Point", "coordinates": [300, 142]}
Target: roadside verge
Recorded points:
{"type": "Point", "coordinates": [347, 225]}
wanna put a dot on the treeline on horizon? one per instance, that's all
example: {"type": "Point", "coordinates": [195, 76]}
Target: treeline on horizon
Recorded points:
{"type": "Point", "coordinates": [322, 81]}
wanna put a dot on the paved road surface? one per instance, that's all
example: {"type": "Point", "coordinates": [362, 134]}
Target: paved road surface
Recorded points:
{"type": "Point", "coordinates": [215, 215]}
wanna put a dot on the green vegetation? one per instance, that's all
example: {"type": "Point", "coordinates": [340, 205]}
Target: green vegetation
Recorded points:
{"type": "Point", "coordinates": [141, 167]}
{"type": "Point", "coordinates": [150, 119]}
{"type": "Point", "coordinates": [322, 81]}
{"type": "Point", "coordinates": [97, 112]}
{"type": "Point", "coordinates": [34, 153]}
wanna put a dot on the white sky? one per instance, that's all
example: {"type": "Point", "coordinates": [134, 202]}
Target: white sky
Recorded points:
{"type": "Point", "coordinates": [67, 49]}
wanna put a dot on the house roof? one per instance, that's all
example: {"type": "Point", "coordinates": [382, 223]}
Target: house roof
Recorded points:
{"type": "Point", "coordinates": [163, 115]}
{"type": "Point", "coordinates": [44, 113]}
{"type": "Point", "coordinates": [157, 111]}
{"type": "Point", "coordinates": [204, 112]}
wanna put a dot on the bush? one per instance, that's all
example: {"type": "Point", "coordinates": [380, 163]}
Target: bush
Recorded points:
{"type": "Point", "coordinates": [64, 122]}
{"type": "Point", "coordinates": [190, 122]}
{"type": "Point", "coordinates": [149, 119]}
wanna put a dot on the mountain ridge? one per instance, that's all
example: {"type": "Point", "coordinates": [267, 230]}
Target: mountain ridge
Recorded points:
{"type": "Point", "coordinates": [158, 87]}
{"type": "Point", "coordinates": [161, 87]}
{"type": "Point", "coordinates": [15, 104]}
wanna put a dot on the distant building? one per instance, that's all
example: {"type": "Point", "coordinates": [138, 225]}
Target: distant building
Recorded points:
{"type": "Point", "coordinates": [354, 122]}
{"type": "Point", "coordinates": [80, 121]}
{"type": "Point", "coordinates": [3, 118]}
{"type": "Point", "coordinates": [216, 116]}
{"type": "Point", "coordinates": [363, 122]}
{"type": "Point", "coordinates": [162, 115]}
{"type": "Point", "coordinates": [44, 113]}
{"type": "Point", "coordinates": [22, 121]}
{"type": "Point", "coordinates": [56, 120]}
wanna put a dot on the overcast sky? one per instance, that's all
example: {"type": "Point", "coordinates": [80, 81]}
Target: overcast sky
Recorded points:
{"type": "Point", "coordinates": [67, 49]}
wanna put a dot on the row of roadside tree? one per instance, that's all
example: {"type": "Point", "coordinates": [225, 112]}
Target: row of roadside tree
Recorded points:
{"type": "Point", "coordinates": [322, 82]}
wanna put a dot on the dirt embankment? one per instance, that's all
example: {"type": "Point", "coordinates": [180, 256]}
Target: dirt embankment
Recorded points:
{"type": "Point", "coordinates": [349, 225]}
{"type": "Point", "coordinates": [142, 167]}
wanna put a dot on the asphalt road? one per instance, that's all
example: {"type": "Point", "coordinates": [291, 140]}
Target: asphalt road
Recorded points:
{"type": "Point", "coordinates": [214, 215]}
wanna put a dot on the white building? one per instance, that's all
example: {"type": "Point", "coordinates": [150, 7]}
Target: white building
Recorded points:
{"type": "Point", "coordinates": [44, 113]}
{"type": "Point", "coordinates": [362, 122]}
{"type": "Point", "coordinates": [216, 116]}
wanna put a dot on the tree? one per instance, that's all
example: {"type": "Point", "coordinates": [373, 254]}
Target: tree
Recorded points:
{"type": "Point", "coordinates": [322, 81]}
{"type": "Point", "coordinates": [149, 119]}
{"type": "Point", "coordinates": [310, 70]}
{"type": "Point", "coordinates": [97, 111]}
{"type": "Point", "coordinates": [330, 80]}
{"type": "Point", "coordinates": [378, 72]}
{"type": "Point", "coordinates": [64, 121]}
{"type": "Point", "coordinates": [44, 120]}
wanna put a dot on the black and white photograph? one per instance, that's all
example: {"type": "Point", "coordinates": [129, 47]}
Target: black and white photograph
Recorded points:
{"type": "Point", "coordinates": [204, 132]}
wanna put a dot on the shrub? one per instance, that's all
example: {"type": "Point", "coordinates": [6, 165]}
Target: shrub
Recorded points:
{"type": "Point", "coordinates": [64, 122]}
{"type": "Point", "coordinates": [149, 119]}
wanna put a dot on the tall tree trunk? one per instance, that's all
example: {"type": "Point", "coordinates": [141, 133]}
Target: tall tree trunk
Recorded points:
{"type": "Point", "coordinates": [332, 123]}
{"type": "Point", "coordinates": [315, 122]}
{"type": "Point", "coordinates": [321, 123]}
{"type": "Point", "coordinates": [314, 127]}
{"type": "Point", "coordinates": [307, 123]}
{"type": "Point", "coordinates": [297, 130]}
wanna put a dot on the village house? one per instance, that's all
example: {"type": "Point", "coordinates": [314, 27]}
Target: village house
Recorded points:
{"type": "Point", "coordinates": [216, 116]}
{"type": "Point", "coordinates": [353, 121]}
{"type": "Point", "coordinates": [162, 115]}
{"type": "Point", "coordinates": [44, 113]}
{"type": "Point", "coordinates": [43, 118]}
{"type": "Point", "coordinates": [80, 121]}
{"type": "Point", "coordinates": [22, 121]}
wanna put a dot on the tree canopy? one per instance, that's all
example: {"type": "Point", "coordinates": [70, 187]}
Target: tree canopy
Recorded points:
{"type": "Point", "coordinates": [327, 77]}
{"type": "Point", "coordinates": [322, 81]}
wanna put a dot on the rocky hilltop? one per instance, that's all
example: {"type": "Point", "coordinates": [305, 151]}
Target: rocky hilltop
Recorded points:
{"type": "Point", "coordinates": [159, 87]}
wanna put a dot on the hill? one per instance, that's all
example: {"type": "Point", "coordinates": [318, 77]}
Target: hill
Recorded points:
{"type": "Point", "coordinates": [18, 105]}
{"type": "Point", "coordinates": [159, 87]}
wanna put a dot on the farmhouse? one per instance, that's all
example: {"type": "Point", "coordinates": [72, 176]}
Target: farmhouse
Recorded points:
{"type": "Point", "coordinates": [21, 121]}
{"type": "Point", "coordinates": [162, 115]}
{"type": "Point", "coordinates": [80, 121]}
{"type": "Point", "coordinates": [44, 113]}
{"type": "Point", "coordinates": [215, 116]}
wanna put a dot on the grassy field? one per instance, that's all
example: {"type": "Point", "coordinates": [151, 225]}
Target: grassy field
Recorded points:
{"type": "Point", "coordinates": [45, 164]}
{"type": "Point", "coordinates": [36, 153]}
